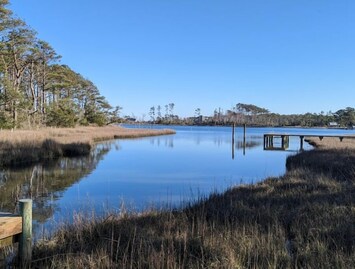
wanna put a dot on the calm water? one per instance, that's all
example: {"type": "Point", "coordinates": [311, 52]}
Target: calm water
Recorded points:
{"type": "Point", "coordinates": [159, 171]}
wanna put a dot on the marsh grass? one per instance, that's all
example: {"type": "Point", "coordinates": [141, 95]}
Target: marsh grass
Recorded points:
{"type": "Point", "coordinates": [24, 147]}
{"type": "Point", "coordinates": [304, 219]}
{"type": "Point", "coordinates": [332, 142]}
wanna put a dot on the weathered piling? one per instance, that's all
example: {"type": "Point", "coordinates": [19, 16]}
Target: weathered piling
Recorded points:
{"type": "Point", "coordinates": [233, 127]}
{"type": "Point", "coordinates": [25, 247]}
{"type": "Point", "coordinates": [301, 142]}
{"type": "Point", "coordinates": [244, 138]}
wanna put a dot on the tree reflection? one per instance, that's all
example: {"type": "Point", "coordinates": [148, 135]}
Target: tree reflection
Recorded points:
{"type": "Point", "coordinates": [46, 182]}
{"type": "Point", "coordinates": [248, 144]}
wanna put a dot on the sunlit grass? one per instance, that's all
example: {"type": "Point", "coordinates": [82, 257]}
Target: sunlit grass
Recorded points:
{"type": "Point", "coordinates": [332, 142]}
{"type": "Point", "coordinates": [21, 147]}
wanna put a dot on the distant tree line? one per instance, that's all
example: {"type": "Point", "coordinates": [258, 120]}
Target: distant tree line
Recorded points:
{"type": "Point", "coordinates": [255, 116]}
{"type": "Point", "coordinates": [35, 90]}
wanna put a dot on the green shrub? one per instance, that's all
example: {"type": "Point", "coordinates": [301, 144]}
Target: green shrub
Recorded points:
{"type": "Point", "coordinates": [62, 114]}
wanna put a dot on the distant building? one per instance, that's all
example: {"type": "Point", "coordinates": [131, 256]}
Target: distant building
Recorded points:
{"type": "Point", "coordinates": [333, 124]}
{"type": "Point", "coordinates": [198, 119]}
{"type": "Point", "coordinates": [201, 120]}
{"type": "Point", "coordinates": [130, 119]}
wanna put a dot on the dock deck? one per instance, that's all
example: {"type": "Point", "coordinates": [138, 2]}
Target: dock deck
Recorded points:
{"type": "Point", "coordinates": [271, 138]}
{"type": "Point", "coordinates": [18, 228]}
{"type": "Point", "coordinates": [10, 226]}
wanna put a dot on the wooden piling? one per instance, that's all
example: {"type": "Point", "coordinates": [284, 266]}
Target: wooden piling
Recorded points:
{"type": "Point", "coordinates": [265, 139]}
{"type": "Point", "coordinates": [244, 138]}
{"type": "Point", "coordinates": [25, 246]}
{"type": "Point", "coordinates": [233, 127]}
{"type": "Point", "coordinates": [301, 142]}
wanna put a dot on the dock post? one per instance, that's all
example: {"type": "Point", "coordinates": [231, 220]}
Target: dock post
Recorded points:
{"type": "Point", "coordinates": [25, 246]}
{"type": "Point", "coordinates": [264, 141]}
{"type": "Point", "coordinates": [301, 142]}
{"type": "Point", "coordinates": [233, 140]}
{"type": "Point", "coordinates": [282, 141]}
{"type": "Point", "coordinates": [288, 141]}
{"type": "Point", "coordinates": [244, 138]}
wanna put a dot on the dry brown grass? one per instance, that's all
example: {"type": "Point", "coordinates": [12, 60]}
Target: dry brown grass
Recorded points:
{"type": "Point", "coordinates": [332, 142]}
{"type": "Point", "coordinates": [22, 147]}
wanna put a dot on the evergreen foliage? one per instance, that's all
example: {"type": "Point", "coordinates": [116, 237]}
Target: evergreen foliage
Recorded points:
{"type": "Point", "coordinates": [35, 90]}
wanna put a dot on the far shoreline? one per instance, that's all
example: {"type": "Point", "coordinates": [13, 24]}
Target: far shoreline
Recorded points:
{"type": "Point", "coordinates": [229, 125]}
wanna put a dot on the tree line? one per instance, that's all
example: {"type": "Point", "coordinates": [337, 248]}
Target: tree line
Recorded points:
{"type": "Point", "coordinates": [35, 90]}
{"type": "Point", "coordinates": [255, 116]}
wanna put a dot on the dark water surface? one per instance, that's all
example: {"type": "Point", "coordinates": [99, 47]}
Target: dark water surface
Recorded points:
{"type": "Point", "coordinates": [140, 173]}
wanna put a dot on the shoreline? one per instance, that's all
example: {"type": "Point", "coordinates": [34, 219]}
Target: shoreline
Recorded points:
{"type": "Point", "coordinates": [236, 125]}
{"type": "Point", "coordinates": [303, 219]}
{"type": "Point", "coordinates": [24, 147]}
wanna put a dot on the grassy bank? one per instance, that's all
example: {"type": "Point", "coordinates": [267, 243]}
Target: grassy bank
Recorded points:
{"type": "Point", "coordinates": [22, 147]}
{"type": "Point", "coordinates": [304, 219]}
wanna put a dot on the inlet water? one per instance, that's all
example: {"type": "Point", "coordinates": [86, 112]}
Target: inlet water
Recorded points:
{"type": "Point", "coordinates": [146, 172]}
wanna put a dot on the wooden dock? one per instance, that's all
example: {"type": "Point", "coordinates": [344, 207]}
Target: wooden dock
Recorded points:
{"type": "Point", "coordinates": [10, 227]}
{"type": "Point", "coordinates": [18, 228]}
{"type": "Point", "coordinates": [275, 141]}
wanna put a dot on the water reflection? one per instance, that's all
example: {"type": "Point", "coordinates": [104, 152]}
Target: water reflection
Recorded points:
{"type": "Point", "coordinates": [248, 144]}
{"type": "Point", "coordinates": [46, 182]}
{"type": "Point", "coordinates": [142, 172]}
{"type": "Point", "coordinates": [166, 141]}
{"type": "Point", "coordinates": [219, 140]}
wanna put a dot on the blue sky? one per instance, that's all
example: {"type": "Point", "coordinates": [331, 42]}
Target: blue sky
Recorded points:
{"type": "Point", "coordinates": [287, 56]}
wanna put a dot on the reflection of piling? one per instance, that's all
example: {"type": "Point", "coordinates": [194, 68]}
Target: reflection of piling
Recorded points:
{"type": "Point", "coordinates": [233, 127]}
